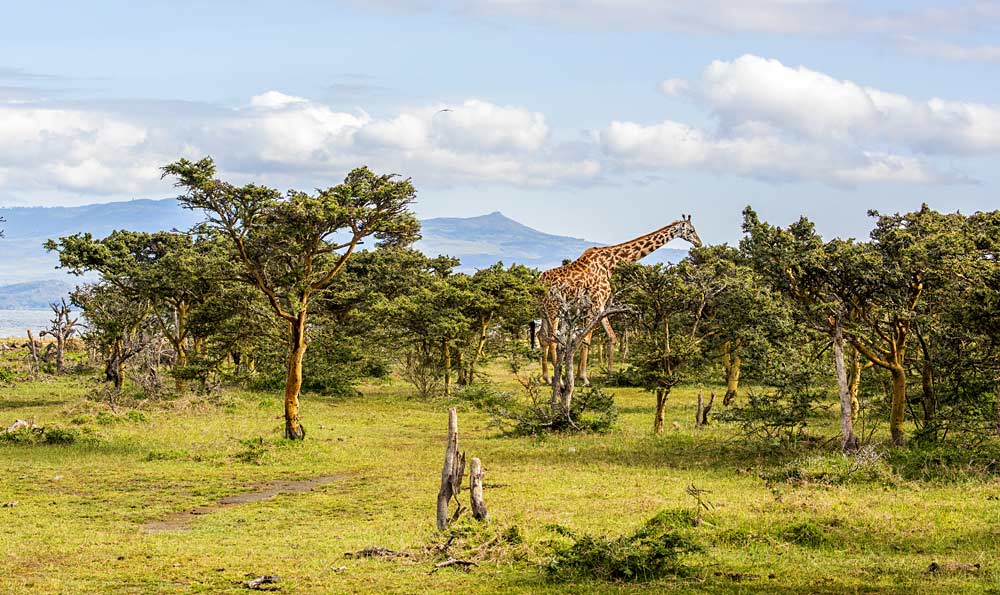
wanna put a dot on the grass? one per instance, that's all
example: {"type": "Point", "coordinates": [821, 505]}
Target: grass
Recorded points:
{"type": "Point", "coordinates": [783, 522]}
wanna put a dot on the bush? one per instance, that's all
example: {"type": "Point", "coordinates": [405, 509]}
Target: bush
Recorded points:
{"type": "Point", "coordinates": [7, 375]}
{"type": "Point", "coordinates": [866, 465]}
{"type": "Point", "coordinates": [947, 461]}
{"type": "Point", "coordinates": [653, 551]}
{"type": "Point", "coordinates": [593, 410]}
{"type": "Point", "coordinates": [50, 435]}
{"type": "Point", "coordinates": [805, 533]}
{"type": "Point", "coordinates": [255, 451]}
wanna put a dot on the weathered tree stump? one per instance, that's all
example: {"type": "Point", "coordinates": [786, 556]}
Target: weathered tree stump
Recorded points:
{"type": "Point", "coordinates": [701, 415]}
{"type": "Point", "coordinates": [33, 347]}
{"type": "Point", "coordinates": [451, 472]}
{"type": "Point", "coordinates": [476, 490]}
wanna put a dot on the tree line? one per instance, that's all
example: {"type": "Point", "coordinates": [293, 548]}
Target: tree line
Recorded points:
{"type": "Point", "coordinates": [317, 290]}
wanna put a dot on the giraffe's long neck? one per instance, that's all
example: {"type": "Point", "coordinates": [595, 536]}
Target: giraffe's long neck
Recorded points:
{"type": "Point", "coordinates": [642, 246]}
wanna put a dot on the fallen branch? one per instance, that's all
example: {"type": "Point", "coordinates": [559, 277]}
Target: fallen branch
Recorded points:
{"type": "Point", "coordinates": [376, 552]}
{"type": "Point", "coordinates": [258, 583]}
{"type": "Point", "coordinates": [466, 565]}
{"type": "Point", "coordinates": [20, 424]}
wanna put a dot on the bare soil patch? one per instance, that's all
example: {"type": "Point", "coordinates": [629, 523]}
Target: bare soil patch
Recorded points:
{"type": "Point", "coordinates": [181, 521]}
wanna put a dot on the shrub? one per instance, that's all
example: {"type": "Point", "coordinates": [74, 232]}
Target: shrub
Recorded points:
{"type": "Point", "coordinates": [255, 451]}
{"type": "Point", "coordinates": [805, 534]}
{"type": "Point", "coordinates": [866, 465]}
{"type": "Point", "coordinates": [593, 410]}
{"type": "Point", "coordinates": [50, 435]}
{"type": "Point", "coordinates": [946, 461]}
{"type": "Point", "coordinates": [653, 551]}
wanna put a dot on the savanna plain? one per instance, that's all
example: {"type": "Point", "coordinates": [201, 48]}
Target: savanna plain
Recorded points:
{"type": "Point", "coordinates": [200, 494]}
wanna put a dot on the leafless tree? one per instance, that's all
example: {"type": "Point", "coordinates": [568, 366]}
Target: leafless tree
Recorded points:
{"type": "Point", "coordinates": [61, 328]}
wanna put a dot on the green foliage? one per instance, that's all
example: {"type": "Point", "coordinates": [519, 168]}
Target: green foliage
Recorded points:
{"type": "Point", "coordinates": [805, 533]}
{"type": "Point", "coordinates": [592, 410]}
{"type": "Point", "coordinates": [654, 550]}
{"type": "Point", "coordinates": [255, 451]}
{"type": "Point", "coordinates": [46, 435]}
{"type": "Point", "coordinates": [778, 415]}
{"type": "Point", "coordinates": [867, 465]}
{"type": "Point", "coordinates": [948, 462]}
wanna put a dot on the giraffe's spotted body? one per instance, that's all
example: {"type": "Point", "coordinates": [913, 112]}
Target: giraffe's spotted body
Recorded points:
{"type": "Point", "coordinates": [590, 275]}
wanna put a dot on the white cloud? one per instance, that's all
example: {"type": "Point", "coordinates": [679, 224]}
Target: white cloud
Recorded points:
{"type": "Point", "coordinates": [757, 153]}
{"type": "Point", "coordinates": [275, 138]}
{"type": "Point", "coordinates": [950, 51]}
{"type": "Point", "coordinates": [780, 123]}
{"type": "Point", "coordinates": [674, 87]}
{"type": "Point", "coordinates": [820, 107]}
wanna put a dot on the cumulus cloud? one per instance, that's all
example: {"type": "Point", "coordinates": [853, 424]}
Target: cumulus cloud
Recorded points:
{"type": "Point", "coordinates": [95, 150]}
{"type": "Point", "coordinates": [817, 106]}
{"type": "Point", "coordinates": [777, 122]}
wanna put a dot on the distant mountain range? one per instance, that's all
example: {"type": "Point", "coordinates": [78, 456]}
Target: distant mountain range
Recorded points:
{"type": "Point", "coordinates": [29, 278]}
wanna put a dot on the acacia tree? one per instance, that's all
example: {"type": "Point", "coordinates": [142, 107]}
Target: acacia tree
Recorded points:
{"type": "Point", "coordinates": [502, 300]}
{"type": "Point", "coordinates": [292, 246]}
{"type": "Point", "coordinates": [174, 272]}
{"type": "Point", "coordinates": [916, 257]}
{"type": "Point", "coordinates": [820, 279]}
{"type": "Point", "coordinates": [117, 325]}
{"type": "Point", "coordinates": [743, 319]}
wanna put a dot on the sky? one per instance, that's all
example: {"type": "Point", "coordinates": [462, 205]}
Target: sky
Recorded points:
{"type": "Point", "coordinates": [600, 119]}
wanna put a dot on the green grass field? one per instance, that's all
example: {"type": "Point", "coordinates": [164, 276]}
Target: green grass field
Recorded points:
{"type": "Point", "coordinates": [82, 519]}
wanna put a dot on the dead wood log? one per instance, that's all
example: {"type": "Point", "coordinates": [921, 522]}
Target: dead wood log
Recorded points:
{"type": "Point", "coordinates": [465, 564]}
{"type": "Point", "coordinates": [376, 552]}
{"type": "Point", "coordinates": [451, 472]}
{"type": "Point", "coordinates": [701, 415]}
{"type": "Point", "coordinates": [257, 584]}
{"type": "Point", "coordinates": [20, 424]}
{"type": "Point", "coordinates": [34, 353]}
{"type": "Point", "coordinates": [476, 490]}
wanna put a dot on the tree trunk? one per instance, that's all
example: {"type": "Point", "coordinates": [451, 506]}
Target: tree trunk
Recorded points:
{"type": "Point", "coordinates": [927, 384]}
{"type": "Point", "coordinates": [701, 414]}
{"type": "Point", "coordinates": [732, 365]}
{"type": "Point", "coordinates": [293, 384]}
{"type": "Point", "coordinates": [569, 378]}
{"type": "Point", "coordinates": [476, 490]}
{"type": "Point", "coordinates": [661, 407]}
{"type": "Point", "coordinates": [451, 472]}
{"type": "Point", "coordinates": [446, 358]}
{"type": "Point", "coordinates": [34, 353]}
{"type": "Point", "coordinates": [179, 363]}
{"type": "Point", "coordinates": [60, 347]}
{"type": "Point", "coordinates": [897, 412]}
{"type": "Point", "coordinates": [854, 382]}
{"type": "Point", "coordinates": [849, 442]}
{"type": "Point", "coordinates": [113, 368]}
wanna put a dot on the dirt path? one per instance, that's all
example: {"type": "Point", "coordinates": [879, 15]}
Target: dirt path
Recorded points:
{"type": "Point", "coordinates": [181, 521]}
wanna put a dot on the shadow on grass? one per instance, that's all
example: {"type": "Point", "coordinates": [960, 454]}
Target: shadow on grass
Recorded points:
{"type": "Point", "coordinates": [716, 581]}
{"type": "Point", "coordinates": [674, 450]}
{"type": "Point", "coordinates": [7, 404]}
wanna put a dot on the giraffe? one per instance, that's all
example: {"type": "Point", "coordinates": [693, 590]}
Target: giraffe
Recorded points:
{"type": "Point", "coordinates": [590, 275]}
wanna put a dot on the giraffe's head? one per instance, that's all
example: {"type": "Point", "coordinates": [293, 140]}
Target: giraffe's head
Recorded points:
{"type": "Point", "coordinates": [687, 231]}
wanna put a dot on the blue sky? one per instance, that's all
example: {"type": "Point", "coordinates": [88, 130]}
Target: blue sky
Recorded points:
{"type": "Point", "coordinates": [590, 118]}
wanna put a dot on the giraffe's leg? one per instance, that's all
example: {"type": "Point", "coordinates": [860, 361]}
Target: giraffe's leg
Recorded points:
{"type": "Point", "coordinates": [584, 354]}
{"type": "Point", "coordinates": [544, 343]}
{"type": "Point", "coordinates": [613, 341]}
{"type": "Point", "coordinates": [545, 340]}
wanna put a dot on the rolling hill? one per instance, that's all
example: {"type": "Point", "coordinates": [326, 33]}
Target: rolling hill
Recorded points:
{"type": "Point", "coordinates": [29, 278]}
